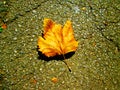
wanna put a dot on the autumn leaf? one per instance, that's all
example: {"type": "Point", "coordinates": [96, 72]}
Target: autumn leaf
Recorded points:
{"type": "Point", "coordinates": [57, 39]}
{"type": "Point", "coordinates": [4, 26]}
{"type": "Point", "coordinates": [54, 80]}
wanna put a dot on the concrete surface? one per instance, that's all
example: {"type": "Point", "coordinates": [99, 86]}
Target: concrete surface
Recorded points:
{"type": "Point", "coordinates": [94, 66]}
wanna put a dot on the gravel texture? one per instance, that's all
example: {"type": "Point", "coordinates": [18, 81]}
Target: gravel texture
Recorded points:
{"type": "Point", "coordinates": [94, 66]}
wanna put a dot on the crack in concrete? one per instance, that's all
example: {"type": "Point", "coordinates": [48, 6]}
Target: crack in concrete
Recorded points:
{"type": "Point", "coordinates": [101, 28]}
{"type": "Point", "coordinates": [21, 15]}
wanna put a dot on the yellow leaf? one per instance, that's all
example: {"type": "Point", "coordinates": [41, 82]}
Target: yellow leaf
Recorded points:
{"type": "Point", "coordinates": [57, 40]}
{"type": "Point", "coordinates": [54, 80]}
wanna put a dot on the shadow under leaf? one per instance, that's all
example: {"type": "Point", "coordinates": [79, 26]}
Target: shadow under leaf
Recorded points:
{"type": "Point", "coordinates": [57, 57]}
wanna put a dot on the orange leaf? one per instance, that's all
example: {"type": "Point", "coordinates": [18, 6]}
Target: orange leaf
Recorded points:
{"type": "Point", "coordinates": [4, 26]}
{"type": "Point", "coordinates": [57, 40]}
{"type": "Point", "coordinates": [54, 80]}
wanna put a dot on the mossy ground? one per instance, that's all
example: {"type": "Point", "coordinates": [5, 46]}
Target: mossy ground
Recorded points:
{"type": "Point", "coordinates": [96, 63]}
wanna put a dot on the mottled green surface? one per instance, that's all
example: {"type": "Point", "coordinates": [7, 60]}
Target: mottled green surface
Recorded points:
{"type": "Point", "coordinates": [96, 63]}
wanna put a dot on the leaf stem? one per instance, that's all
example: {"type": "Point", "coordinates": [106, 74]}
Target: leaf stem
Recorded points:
{"type": "Point", "coordinates": [66, 63]}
